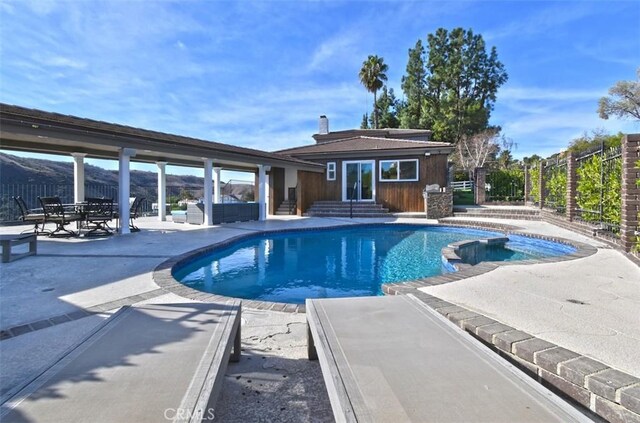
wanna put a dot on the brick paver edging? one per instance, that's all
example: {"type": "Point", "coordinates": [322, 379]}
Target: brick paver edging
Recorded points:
{"type": "Point", "coordinates": [607, 392]}
{"type": "Point", "coordinates": [25, 328]}
{"type": "Point", "coordinates": [163, 276]}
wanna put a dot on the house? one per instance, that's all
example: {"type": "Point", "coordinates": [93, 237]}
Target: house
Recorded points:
{"type": "Point", "coordinates": [390, 167]}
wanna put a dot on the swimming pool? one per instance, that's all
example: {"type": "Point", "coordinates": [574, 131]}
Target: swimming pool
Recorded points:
{"type": "Point", "coordinates": [292, 266]}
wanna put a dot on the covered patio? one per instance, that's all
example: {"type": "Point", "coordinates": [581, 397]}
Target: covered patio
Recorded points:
{"type": "Point", "coordinates": [36, 131]}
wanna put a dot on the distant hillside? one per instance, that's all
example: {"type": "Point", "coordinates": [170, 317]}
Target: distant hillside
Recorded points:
{"type": "Point", "coordinates": [21, 170]}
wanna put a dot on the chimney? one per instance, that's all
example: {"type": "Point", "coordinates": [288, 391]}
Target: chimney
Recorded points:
{"type": "Point", "coordinates": [324, 125]}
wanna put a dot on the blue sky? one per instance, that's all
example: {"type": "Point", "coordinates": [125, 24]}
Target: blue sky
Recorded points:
{"type": "Point", "coordinates": [258, 74]}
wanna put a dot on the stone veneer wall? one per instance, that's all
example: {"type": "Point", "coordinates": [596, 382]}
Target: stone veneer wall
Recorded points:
{"type": "Point", "coordinates": [438, 204]}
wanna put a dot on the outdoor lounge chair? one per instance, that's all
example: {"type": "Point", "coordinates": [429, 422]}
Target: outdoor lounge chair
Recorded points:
{"type": "Point", "coordinates": [98, 213]}
{"type": "Point", "coordinates": [54, 212]}
{"type": "Point", "coordinates": [148, 363]}
{"type": "Point", "coordinates": [393, 359]}
{"type": "Point", "coordinates": [28, 216]}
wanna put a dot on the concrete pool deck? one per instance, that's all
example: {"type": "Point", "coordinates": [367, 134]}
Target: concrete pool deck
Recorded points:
{"type": "Point", "coordinates": [44, 300]}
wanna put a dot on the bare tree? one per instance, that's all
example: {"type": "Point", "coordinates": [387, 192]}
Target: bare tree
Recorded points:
{"type": "Point", "coordinates": [475, 150]}
{"type": "Point", "coordinates": [623, 100]}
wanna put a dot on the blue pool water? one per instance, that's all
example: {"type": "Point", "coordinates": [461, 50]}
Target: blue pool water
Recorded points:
{"type": "Point", "coordinates": [292, 266]}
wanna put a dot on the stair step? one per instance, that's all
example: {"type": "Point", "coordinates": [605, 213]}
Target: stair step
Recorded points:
{"type": "Point", "coordinates": [342, 214]}
{"type": "Point", "coordinates": [470, 211]}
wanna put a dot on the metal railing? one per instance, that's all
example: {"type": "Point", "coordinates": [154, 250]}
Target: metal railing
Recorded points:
{"type": "Point", "coordinates": [598, 189]}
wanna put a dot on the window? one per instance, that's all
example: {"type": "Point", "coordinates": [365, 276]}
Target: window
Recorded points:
{"type": "Point", "coordinates": [331, 171]}
{"type": "Point", "coordinates": [398, 170]}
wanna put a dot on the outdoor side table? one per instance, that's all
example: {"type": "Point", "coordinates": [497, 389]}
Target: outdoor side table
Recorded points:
{"type": "Point", "coordinates": [9, 241]}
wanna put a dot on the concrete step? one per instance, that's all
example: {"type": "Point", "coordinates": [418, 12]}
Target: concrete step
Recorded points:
{"type": "Point", "coordinates": [314, 210]}
{"type": "Point", "coordinates": [508, 216]}
{"type": "Point", "coordinates": [343, 214]}
{"type": "Point", "coordinates": [468, 211]}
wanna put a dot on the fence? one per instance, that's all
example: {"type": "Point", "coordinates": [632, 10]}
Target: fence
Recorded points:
{"type": "Point", "coordinates": [462, 185]}
{"type": "Point", "coordinates": [589, 189]}
{"type": "Point", "coordinates": [231, 192]}
{"type": "Point", "coordinates": [505, 186]}
{"type": "Point", "coordinates": [554, 188]}
{"type": "Point", "coordinates": [598, 199]}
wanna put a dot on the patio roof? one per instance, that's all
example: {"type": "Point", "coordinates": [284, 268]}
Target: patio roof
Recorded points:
{"type": "Point", "coordinates": [24, 129]}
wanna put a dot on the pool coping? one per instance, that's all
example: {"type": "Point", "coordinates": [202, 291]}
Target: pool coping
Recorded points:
{"type": "Point", "coordinates": [163, 277]}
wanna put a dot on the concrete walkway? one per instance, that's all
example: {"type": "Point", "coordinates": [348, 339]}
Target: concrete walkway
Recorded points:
{"type": "Point", "coordinates": [47, 296]}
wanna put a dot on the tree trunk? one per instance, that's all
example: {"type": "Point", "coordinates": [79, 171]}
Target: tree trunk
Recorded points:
{"type": "Point", "coordinates": [375, 110]}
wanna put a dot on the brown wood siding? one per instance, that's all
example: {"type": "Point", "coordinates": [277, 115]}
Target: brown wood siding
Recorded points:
{"type": "Point", "coordinates": [396, 196]}
{"type": "Point", "coordinates": [311, 188]}
{"type": "Point", "coordinates": [407, 196]}
{"type": "Point", "coordinates": [332, 189]}
{"type": "Point", "coordinates": [276, 188]}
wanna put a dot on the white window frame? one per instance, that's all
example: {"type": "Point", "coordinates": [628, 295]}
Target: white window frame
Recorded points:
{"type": "Point", "coordinates": [416, 161]}
{"type": "Point", "coordinates": [331, 167]}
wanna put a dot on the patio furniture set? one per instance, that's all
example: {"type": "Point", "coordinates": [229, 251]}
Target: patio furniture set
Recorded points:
{"type": "Point", "coordinates": [92, 215]}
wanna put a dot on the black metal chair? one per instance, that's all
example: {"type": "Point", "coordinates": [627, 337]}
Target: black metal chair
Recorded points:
{"type": "Point", "coordinates": [134, 213]}
{"type": "Point", "coordinates": [98, 213]}
{"type": "Point", "coordinates": [27, 216]}
{"type": "Point", "coordinates": [54, 212]}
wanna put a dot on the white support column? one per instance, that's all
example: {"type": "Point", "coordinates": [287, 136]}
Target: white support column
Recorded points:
{"type": "Point", "coordinates": [262, 191]}
{"type": "Point", "coordinates": [162, 191]}
{"type": "Point", "coordinates": [78, 177]}
{"type": "Point", "coordinates": [216, 185]}
{"type": "Point", "coordinates": [124, 187]}
{"type": "Point", "coordinates": [208, 187]}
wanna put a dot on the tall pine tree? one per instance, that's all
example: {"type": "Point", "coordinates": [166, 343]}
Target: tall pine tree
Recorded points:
{"type": "Point", "coordinates": [414, 88]}
{"type": "Point", "coordinates": [462, 81]}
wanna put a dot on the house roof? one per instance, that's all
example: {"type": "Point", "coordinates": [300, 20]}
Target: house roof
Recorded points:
{"type": "Point", "coordinates": [424, 134]}
{"type": "Point", "coordinates": [35, 130]}
{"type": "Point", "coordinates": [364, 144]}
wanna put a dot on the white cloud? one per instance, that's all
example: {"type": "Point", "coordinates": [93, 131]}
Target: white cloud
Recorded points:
{"type": "Point", "coordinates": [337, 49]}
{"type": "Point", "coordinates": [64, 62]}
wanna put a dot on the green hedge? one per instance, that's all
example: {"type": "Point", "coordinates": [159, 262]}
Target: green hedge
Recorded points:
{"type": "Point", "coordinates": [590, 186]}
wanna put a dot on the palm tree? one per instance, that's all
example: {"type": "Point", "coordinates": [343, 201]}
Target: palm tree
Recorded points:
{"type": "Point", "coordinates": [372, 76]}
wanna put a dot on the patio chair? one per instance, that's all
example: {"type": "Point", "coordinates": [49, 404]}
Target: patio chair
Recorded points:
{"type": "Point", "coordinates": [98, 213]}
{"type": "Point", "coordinates": [54, 212]}
{"type": "Point", "coordinates": [393, 359]}
{"type": "Point", "coordinates": [28, 216]}
{"type": "Point", "coordinates": [145, 364]}
{"type": "Point", "coordinates": [134, 213]}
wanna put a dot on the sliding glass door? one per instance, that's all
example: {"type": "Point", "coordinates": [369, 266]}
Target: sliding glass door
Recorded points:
{"type": "Point", "coordinates": [358, 181]}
